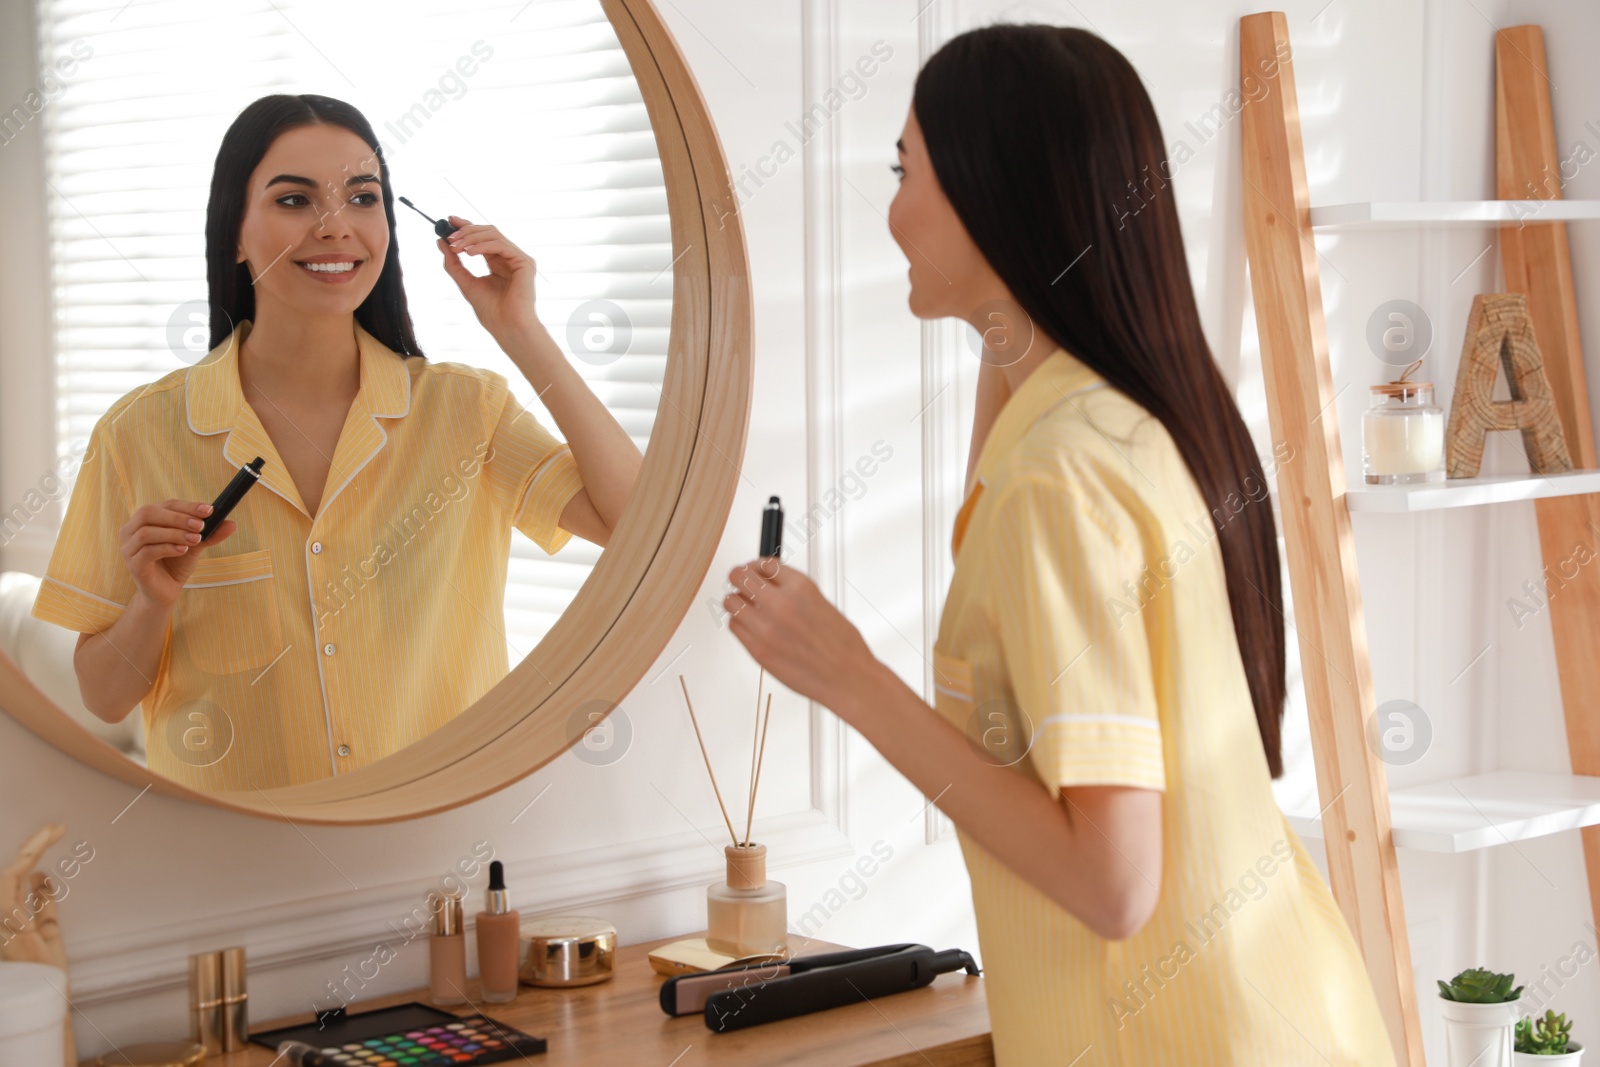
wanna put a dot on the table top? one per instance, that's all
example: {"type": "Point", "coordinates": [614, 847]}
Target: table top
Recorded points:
{"type": "Point", "coordinates": [944, 1024]}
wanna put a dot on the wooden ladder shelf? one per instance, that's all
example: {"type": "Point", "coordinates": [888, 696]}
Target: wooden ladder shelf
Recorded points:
{"type": "Point", "coordinates": [1356, 819]}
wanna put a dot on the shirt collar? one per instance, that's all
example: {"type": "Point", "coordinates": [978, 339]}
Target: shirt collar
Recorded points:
{"type": "Point", "coordinates": [216, 404]}
{"type": "Point", "coordinates": [215, 396]}
{"type": "Point", "coordinates": [1050, 383]}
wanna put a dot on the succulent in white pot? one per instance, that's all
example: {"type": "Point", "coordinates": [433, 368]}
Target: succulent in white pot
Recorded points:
{"type": "Point", "coordinates": [1542, 1041]}
{"type": "Point", "coordinates": [1480, 1016]}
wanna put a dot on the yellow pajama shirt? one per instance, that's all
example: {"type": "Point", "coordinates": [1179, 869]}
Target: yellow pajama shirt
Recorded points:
{"type": "Point", "coordinates": [1087, 639]}
{"type": "Point", "coordinates": [304, 647]}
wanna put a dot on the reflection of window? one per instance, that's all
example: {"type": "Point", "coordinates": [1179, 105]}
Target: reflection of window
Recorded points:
{"type": "Point", "coordinates": [525, 116]}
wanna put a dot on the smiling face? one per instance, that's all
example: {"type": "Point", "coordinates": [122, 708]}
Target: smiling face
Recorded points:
{"type": "Point", "coordinates": [949, 276]}
{"type": "Point", "coordinates": [314, 231]}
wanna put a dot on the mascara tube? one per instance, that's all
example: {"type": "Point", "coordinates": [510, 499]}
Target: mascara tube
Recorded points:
{"type": "Point", "coordinates": [772, 528]}
{"type": "Point", "coordinates": [242, 483]}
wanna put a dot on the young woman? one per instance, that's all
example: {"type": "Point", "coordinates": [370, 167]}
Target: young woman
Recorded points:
{"type": "Point", "coordinates": [352, 603]}
{"type": "Point", "coordinates": [1113, 641]}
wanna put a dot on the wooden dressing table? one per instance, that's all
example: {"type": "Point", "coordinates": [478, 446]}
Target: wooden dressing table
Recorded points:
{"type": "Point", "coordinates": [945, 1024]}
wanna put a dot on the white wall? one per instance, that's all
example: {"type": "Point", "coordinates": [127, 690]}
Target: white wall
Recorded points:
{"type": "Point", "coordinates": [1397, 103]}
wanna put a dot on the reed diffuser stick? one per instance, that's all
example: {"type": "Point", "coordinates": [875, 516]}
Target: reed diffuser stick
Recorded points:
{"type": "Point", "coordinates": [759, 759]}
{"type": "Point", "coordinates": [707, 758]}
{"type": "Point", "coordinates": [755, 738]}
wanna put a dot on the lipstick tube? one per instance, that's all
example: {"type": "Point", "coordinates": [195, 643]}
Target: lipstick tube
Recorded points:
{"type": "Point", "coordinates": [205, 999]}
{"type": "Point", "coordinates": [235, 1001]}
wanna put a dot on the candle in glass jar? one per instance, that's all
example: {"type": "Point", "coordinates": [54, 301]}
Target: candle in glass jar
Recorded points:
{"type": "Point", "coordinates": [1402, 435]}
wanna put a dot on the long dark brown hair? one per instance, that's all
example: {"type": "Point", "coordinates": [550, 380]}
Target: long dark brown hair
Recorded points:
{"type": "Point", "coordinates": [1046, 145]}
{"type": "Point", "coordinates": [383, 313]}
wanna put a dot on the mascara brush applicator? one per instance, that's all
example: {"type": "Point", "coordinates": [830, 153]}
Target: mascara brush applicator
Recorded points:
{"type": "Point", "coordinates": [441, 227]}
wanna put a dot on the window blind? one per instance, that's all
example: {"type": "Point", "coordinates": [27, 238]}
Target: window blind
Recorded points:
{"type": "Point", "coordinates": [524, 115]}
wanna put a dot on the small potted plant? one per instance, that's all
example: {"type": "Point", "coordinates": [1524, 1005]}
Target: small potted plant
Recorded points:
{"type": "Point", "coordinates": [1543, 1041]}
{"type": "Point", "coordinates": [1480, 1015]}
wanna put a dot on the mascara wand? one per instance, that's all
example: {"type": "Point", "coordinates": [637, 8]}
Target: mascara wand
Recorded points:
{"type": "Point", "coordinates": [441, 227]}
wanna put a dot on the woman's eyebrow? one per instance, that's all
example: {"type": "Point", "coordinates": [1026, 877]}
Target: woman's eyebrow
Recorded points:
{"type": "Point", "coordinates": [295, 179]}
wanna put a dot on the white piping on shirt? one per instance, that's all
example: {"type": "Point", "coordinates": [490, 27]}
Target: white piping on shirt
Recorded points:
{"type": "Point", "coordinates": [84, 592]}
{"type": "Point", "coordinates": [1129, 720]}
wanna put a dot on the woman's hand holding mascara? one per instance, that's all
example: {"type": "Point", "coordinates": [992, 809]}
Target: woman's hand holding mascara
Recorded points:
{"type": "Point", "coordinates": [790, 628]}
{"type": "Point", "coordinates": [159, 543]}
{"type": "Point", "coordinates": [503, 299]}
{"type": "Point", "coordinates": [117, 666]}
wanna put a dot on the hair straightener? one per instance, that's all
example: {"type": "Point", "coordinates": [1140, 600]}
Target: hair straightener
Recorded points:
{"type": "Point", "coordinates": [736, 997]}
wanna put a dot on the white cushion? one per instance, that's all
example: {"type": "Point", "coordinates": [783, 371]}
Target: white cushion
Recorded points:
{"type": "Point", "coordinates": [44, 652]}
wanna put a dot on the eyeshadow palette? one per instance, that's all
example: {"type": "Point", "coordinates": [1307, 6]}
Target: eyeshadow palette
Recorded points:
{"type": "Point", "coordinates": [409, 1035]}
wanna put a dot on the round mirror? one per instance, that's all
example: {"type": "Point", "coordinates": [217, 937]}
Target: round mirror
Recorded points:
{"type": "Point", "coordinates": [590, 148]}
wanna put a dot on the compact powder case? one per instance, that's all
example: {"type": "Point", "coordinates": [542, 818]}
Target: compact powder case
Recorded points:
{"type": "Point", "coordinates": [567, 950]}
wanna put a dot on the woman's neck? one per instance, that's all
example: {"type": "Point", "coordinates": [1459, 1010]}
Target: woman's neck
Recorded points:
{"type": "Point", "coordinates": [296, 358]}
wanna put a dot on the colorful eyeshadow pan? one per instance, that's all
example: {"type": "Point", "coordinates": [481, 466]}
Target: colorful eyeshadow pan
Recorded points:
{"type": "Point", "coordinates": [411, 1035]}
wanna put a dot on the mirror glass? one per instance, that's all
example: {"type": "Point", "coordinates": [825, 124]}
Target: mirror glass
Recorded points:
{"type": "Point", "coordinates": [526, 117]}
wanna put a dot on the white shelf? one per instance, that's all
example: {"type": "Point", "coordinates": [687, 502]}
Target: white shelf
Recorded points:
{"type": "Point", "coordinates": [1464, 814]}
{"type": "Point", "coordinates": [1400, 213]}
{"type": "Point", "coordinates": [1467, 492]}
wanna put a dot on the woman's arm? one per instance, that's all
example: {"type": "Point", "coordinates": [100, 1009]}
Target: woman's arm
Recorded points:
{"type": "Point", "coordinates": [117, 666]}
{"type": "Point", "coordinates": [1094, 850]}
{"type": "Point", "coordinates": [608, 460]}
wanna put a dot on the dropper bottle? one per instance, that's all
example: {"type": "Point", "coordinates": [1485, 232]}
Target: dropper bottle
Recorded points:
{"type": "Point", "coordinates": [496, 930]}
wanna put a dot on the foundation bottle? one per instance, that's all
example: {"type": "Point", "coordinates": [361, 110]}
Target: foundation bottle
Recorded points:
{"type": "Point", "coordinates": [497, 932]}
{"type": "Point", "coordinates": [447, 951]}
{"type": "Point", "coordinates": [747, 914]}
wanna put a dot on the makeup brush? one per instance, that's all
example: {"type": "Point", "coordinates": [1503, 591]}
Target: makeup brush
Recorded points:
{"type": "Point", "coordinates": [707, 758]}
{"type": "Point", "coordinates": [441, 227]}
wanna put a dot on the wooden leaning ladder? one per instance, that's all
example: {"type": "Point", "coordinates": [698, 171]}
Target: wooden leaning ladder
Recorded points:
{"type": "Point", "coordinates": [1316, 519]}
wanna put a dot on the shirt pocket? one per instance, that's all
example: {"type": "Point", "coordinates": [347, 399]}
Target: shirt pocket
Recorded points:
{"type": "Point", "coordinates": [228, 614]}
{"type": "Point", "coordinates": [995, 726]}
{"type": "Point", "coordinates": [952, 689]}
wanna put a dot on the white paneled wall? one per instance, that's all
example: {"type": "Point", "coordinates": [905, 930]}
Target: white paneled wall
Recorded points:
{"type": "Point", "coordinates": [1397, 103]}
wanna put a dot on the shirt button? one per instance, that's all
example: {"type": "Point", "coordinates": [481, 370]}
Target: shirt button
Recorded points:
{"type": "Point", "coordinates": [327, 650]}
{"type": "Point", "coordinates": [344, 750]}
{"type": "Point", "coordinates": [316, 548]}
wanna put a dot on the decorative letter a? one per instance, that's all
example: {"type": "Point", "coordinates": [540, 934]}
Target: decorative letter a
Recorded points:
{"type": "Point", "coordinates": [1500, 334]}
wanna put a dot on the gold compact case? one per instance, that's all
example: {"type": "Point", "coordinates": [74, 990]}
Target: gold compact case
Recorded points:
{"type": "Point", "coordinates": [694, 956]}
{"type": "Point", "coordinates": [155, 1054]}
{"type": "Point", "coordinates": [567, 950]}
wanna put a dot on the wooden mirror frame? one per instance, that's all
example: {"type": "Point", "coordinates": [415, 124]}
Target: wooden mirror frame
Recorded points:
{"type": "Point", "coordinates": [650, 571]}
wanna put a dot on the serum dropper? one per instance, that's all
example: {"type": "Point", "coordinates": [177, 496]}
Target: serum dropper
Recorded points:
{"type": "Point", "coordinates": [496, 929]}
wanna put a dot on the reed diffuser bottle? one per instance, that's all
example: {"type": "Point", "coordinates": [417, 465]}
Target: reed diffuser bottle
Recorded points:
{"type": "Point", "coordinates": [746, 914]}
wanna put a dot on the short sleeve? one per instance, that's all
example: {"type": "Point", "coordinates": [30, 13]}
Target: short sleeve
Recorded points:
{"type": "Point", "coordinates": [86, 584]}
{"type": "Point", "coordinates": [530, 472]}
{"type": "Point", "coordinates": [1074, 644]}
